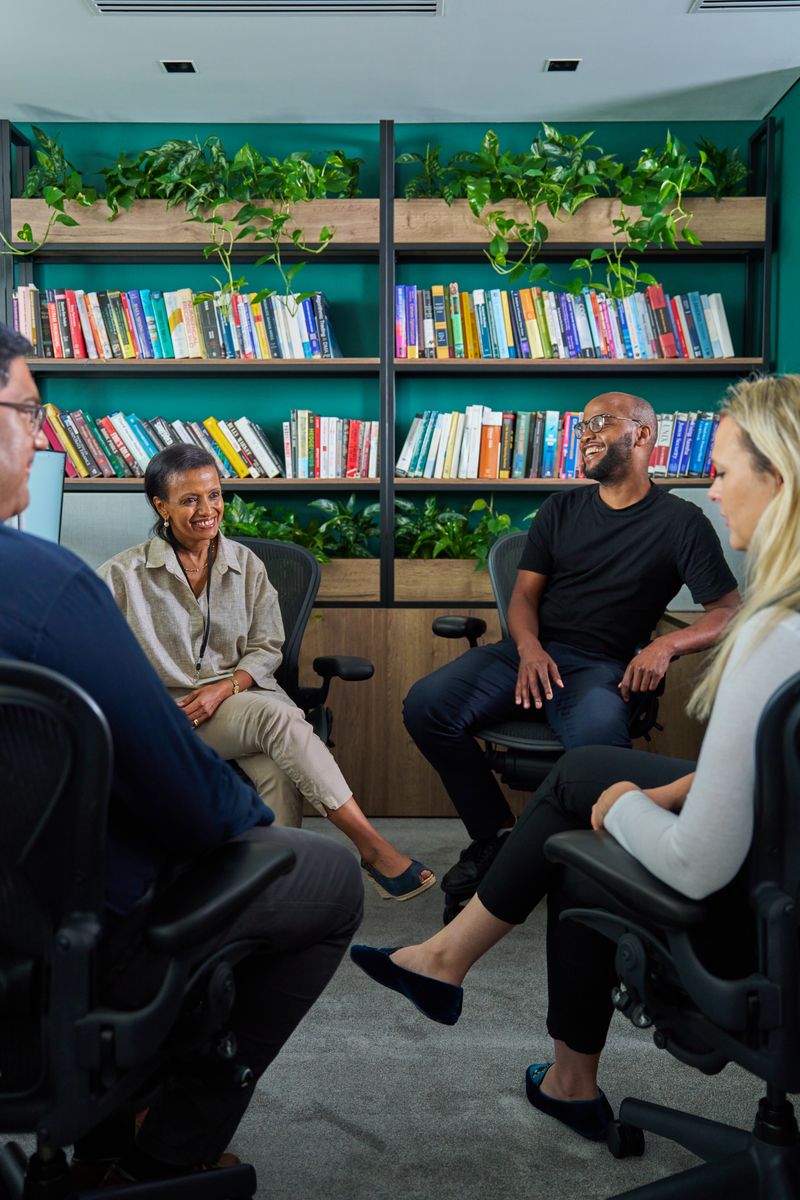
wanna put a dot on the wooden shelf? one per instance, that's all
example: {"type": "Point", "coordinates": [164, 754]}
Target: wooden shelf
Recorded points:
{"type": "Point", "coordinates": [150, 223]}
{"type": "Point", "coordinates": [734, 221]}
{"type": "Point", "coordinates": [204, 366]}
{"type": "Point", "coordinates": [577, 366]}
{"type": "Point", "coordinates": [101, 484]}
{"type": "Point", "coordinates": [526, 485]}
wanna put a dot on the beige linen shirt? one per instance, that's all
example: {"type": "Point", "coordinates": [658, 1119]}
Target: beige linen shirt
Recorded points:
{"type": "Point", "coordinates": [168, 620]}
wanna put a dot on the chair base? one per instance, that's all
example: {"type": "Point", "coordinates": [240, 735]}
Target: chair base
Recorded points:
{"type": "Point", "coordinates": [738, 1165]}
{"type": "Point", "coordinates": [19, 1180]}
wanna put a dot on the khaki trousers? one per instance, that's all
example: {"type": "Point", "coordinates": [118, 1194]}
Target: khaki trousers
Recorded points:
{"type": "Point", "coordinates": [273, 743]}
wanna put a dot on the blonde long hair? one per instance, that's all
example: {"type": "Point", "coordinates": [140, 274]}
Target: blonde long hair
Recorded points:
{"type": "Point", "coordinates": [767, 412]}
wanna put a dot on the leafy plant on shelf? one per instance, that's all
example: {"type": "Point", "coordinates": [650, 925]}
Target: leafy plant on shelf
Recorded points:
{"type": "Point", "coordinates": [348, 532]}
{"type": "Point", "coordinates": [57, 181]}
{"type": "Point", "coordinates": [434, 531]}
{"type": "Point", "coordinates": [558, 174]}
{"type": "Point", "coordinates": [729, 172]}
{"type": "Point", "coordinates": [243, 518]}
{"type": "Point", "coordinates": [202, 178]}
{"type": "Point", "coordinates": [652, 215]}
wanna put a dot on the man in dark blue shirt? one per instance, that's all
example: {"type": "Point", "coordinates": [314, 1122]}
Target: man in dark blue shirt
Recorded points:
{"type": "Point", "coordinates": [171, 798]}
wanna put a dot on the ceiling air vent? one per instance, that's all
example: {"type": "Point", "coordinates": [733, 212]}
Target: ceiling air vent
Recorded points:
{"type": "Point", "coordinates": [742, 5]}
{"type": "Point", "coordinates": [275, 8]}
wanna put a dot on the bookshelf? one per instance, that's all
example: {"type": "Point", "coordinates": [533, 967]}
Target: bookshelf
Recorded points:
{"type": "Point", "coordinates": [390, 238]}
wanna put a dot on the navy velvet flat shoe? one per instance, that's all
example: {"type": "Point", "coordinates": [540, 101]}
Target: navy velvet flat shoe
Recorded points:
{"type": "Point", "coordinates": [437, 1000]}
{"type": "Point", "coordinates": [589, 1118]}
{"type": "Point", "coordinates": [400, 887]}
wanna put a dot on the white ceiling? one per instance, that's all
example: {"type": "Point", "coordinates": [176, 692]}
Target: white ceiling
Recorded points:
{"type": "Point", "coordinates": [480, 60]}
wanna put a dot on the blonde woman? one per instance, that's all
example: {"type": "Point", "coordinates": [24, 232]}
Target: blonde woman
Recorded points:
{"type": "Point", "coordinates": [691, 828]}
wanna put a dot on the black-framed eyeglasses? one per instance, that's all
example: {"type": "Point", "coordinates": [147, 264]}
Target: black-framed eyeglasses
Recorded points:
{"type": "Point", "coordinates": [34, 412]}
{"type": "Point", "coordinates": [597, 422]}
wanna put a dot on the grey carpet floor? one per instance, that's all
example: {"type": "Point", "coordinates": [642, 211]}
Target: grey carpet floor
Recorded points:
{"type": "Point", "coordinates": [370, 1101]}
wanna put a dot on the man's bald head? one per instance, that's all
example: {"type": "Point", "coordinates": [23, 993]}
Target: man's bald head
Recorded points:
{"type": "Point", "coordinates": [625, 404]}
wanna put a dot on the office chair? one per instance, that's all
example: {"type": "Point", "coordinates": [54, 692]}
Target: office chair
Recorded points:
{"type": "Point", "coordinates": [522, 750]}
{"type": "Point", "coordinates": [67, 1059]}
{"type": "Point", "coordinates": [294, 572]}
{"type": "Point", "coordinates": [701, 1018]}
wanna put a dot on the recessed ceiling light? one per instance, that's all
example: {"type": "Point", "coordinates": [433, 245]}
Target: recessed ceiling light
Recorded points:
{"type": "Point", "coordinates": [176, 66]}
{"type": "Point", "coordinates": [562, 64]}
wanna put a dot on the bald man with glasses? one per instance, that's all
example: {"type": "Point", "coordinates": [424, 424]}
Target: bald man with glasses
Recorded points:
{"type": "Point", "coordinates": [598, 569]}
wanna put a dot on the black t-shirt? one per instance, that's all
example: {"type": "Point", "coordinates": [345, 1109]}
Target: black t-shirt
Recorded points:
{"type": "Point", "coordinates": [612, 572]}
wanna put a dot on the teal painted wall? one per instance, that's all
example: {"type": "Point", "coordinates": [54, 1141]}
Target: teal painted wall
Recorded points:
{"type": "Point", "coordinates": [786, 309]}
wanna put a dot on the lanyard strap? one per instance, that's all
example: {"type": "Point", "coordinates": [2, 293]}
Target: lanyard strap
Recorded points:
{"type": "Point", "coordinates": [207, 626]}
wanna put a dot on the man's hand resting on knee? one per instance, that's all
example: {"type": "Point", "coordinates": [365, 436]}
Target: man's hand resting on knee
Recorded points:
{"type": "Point", "coordinates": [646, 669]}
{"type": "Point", "coordinates": [537, 674]}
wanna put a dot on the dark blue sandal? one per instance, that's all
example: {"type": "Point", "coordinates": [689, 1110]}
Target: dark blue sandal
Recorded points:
{"type": "Point", "coordinates": [435, 999]}
{"type": "Point", "coordinates": [400, 887]}
{"type": "Point", "coordinates": [589, 1118]}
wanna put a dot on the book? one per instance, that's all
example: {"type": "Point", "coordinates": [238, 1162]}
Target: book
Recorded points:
{"type": "Point", "coordinates": [230, 452]}
{"type": "Point", "coordinates": [489, 451]}
{"type": "Point", "coordinates": [67, 444]}
{"type": "Point", "coordinates": [702, 435]}
{"type": "Point", "coordinates": [522, 432]}
{"type": "Point", "coordinates": [549, 444]}
{"type": "Point", "coordinates": [506, 445]}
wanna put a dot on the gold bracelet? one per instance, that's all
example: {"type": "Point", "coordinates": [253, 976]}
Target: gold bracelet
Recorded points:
{"type": "Point", "coordinates": [235, 683]}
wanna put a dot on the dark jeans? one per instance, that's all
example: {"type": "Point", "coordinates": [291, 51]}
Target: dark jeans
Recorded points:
{"type": "Point", "coordinates": [580, 962]}
{"type": "Point", "coordinates": [442, 711]}
{"type": "Point", "coordinates": [306, 919]}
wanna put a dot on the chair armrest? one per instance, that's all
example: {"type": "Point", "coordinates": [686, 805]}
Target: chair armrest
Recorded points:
{"type": "Point", "coordinates": [212, 892]}
{"type": "Point", "coordinates": [471, 628]}
{"type": "Point", "coordinates": [602, 858]}
{"type": "Point", "coordinates": [343, 666]}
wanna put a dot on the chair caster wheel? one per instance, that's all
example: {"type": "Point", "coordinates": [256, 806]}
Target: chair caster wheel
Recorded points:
{"type": "Point", "coordinates": [624, 1140]}
{"type": "Point", "coordinates": [452, 908]}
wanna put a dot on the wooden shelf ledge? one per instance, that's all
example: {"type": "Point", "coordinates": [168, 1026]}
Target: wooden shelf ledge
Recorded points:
{"type": "Point", "coordinates": [733, 220]}
{"type": "Point", "coordinates": [151, 223]}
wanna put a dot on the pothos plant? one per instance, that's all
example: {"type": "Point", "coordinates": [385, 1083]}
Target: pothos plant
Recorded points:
{"type": "Point", "coordinates": [203, 179]}
{"type": "Point", "coordinates": [561, 172]}
{"type": "Point", "coordinates": [57, 181]}
{"type": "Point", "coordinates": [656, 186]}
{"type": "Point", "coordinates": [558, 174]}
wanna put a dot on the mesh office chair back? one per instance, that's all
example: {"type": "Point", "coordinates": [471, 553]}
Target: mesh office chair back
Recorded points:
{"type": "Point", "coordinates": [531, 733]}
{"type": "Point", "coordinates": [503, 561]}
{"type": "Point", "coordinates": [55, 768]}
{"type": "Point", "coordinates": [295, 574]}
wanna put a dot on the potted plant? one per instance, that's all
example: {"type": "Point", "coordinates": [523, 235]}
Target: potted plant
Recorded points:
{"type": "Point", "coordinates": [342, 544]}
{"type": "Point", "coordinates": [441, 554]}
{"type": "Point", "coordinates": [563, 189]}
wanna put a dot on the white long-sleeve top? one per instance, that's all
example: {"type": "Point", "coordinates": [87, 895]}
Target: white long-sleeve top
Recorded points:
{"type": "Point", "coordinates": [700, 849]}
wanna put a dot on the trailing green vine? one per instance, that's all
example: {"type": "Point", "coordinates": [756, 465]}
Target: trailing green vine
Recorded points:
{"type": "Point", "coordinates": [57, 181]}
{"type": "Point", "coordinates": [560, 173]}
{"type": "Point", "coordinates": [202, 178]}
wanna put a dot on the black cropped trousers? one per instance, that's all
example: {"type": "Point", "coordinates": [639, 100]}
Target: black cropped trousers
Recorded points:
{"type": "Point", "coordinates": [580, 962]}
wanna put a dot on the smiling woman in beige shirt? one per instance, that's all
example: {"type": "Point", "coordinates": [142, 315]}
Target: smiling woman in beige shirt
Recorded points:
{"type": "Point", "coordinates": [207, 617]}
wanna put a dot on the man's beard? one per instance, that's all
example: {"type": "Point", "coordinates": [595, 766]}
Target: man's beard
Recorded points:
{"type": "Point", "coordinates": [612, 466]}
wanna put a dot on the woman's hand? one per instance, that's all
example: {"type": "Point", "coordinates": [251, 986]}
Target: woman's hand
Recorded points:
{"type": "Point", "coordinates": [607, 799]}
{"type": "Point", "coordinates": [201, 704]}
{"type": "Point", "coordinates": [671, 795]}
